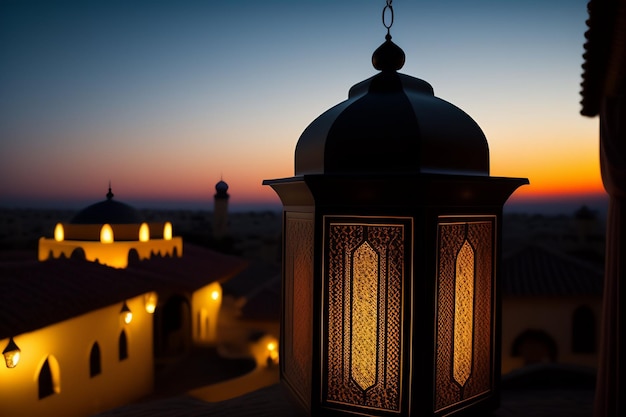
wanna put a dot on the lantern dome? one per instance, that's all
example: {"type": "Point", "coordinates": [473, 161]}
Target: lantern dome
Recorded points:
{"type": "Point", "coordinates": [392, 123]}
{"type": "Point", "coordinates": [108, 211]}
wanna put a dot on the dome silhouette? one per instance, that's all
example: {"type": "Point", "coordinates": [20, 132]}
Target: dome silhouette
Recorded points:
{"type": "Point", "coordinates": [108, 211]}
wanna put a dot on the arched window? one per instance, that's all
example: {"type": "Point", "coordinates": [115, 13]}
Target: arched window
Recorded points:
{"type": "Point", "coordinates": [534, 346]}
{"type": "Point", "coordinates": [49, 378]}
{"type": "Point", "coordinates": [583, 330]}
{"type": "Point", "coordinates": [123, 346]}
{"type": "Point", "coordinates": [95, 367]}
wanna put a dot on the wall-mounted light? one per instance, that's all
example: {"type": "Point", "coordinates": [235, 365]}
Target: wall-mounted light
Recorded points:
{"type": "Point", "coordinates": [11, 354]}
{"type": "Point", "coordinates": [151, 300]}
{"type": "Point", "coordinates": [391, 238]}
{"type": "Point", "coordinates": [126, 314]}
{"type": "Point", "coordinates": [272, 353]}
{"type": "Point", "coordinates": [215, 295]}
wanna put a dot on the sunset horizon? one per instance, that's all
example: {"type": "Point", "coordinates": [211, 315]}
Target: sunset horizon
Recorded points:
{"type": "Point", "coordinates": [97, 92]}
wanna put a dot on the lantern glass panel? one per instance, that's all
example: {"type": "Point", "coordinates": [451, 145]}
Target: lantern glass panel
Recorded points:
{"type": "Point", "coordinates": [366, 261]}
{"type": "Point", "coordinates": [297, 341]}
{"type": "Point", "coordinates": [465, 309]}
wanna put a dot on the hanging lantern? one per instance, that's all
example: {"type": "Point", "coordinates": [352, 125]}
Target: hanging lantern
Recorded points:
{"type": "Point", "coordinates": [127, 315]}
{"type": "Point", "coordinates": [391, 248]}
{"type": "Point", "coordinates": [11, 354]}
{"type": "Point", "coordinates": [151, 300]}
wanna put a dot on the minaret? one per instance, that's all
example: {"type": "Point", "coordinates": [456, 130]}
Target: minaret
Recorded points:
{"type": "Point", "coordinates": [220, 210]}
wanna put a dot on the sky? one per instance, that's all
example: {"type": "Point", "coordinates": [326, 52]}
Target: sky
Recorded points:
{"type": "Point", "coordinates": [164, 98]}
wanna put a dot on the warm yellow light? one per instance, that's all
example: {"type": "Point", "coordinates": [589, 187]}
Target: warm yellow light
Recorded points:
{"type": "Point", "coordinates": [11, 354]}
{"type": "Point", "coordinates": [463, 314]}
{"type": "Point", "coordinates": [127, 315]}
{"type": "Point", "coordinates": [364, 347]}
{"type": "Point", "coordinates": [215, 295]}
{"type": "Point", "coordinates": [167, 231]}
{"type": "Point", "coordinates": [106, 234]}
{"type": "Point", "coordinates": [272, 353]}
{"type": "Point", "coordinates": [144, 233]}
{"type": "Point", "coordinates": [151, 300]}
{"type": "Point", "coordinates": [59, 233]}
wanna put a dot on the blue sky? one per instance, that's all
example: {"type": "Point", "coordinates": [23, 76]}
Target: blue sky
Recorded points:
{"type": "Point", "coordinates": [164, 98]}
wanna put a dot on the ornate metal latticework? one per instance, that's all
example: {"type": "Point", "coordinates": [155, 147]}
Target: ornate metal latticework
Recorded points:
{"type": "Point", "coordinates": [464, 309]}
{"type": "Point", "coordinates": [463, 314]}
{"type": "Point", "coordinates": [298, 317]}
{"type": "Point", "coordinates": [365, 267]}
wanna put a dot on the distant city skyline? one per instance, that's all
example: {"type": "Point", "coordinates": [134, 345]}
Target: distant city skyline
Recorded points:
{"type": "Point", "coordinates": [165, 98]}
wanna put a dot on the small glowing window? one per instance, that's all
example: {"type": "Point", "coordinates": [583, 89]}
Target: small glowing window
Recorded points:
{"type": "Point", "coordinates": [106, 234]}
{"type": "Point", "coordinates": [144, 233]}
{"type": "Point", "coordinates": [59, 233]}
{"type": "Point", "coordinates": [167, 231]}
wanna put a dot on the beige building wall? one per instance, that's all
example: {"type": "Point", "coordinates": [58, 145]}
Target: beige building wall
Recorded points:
{"type": "Point", "coordinates": [205, 306]}
{"type": "Point", "coordinates": [554, 316]}
{"type": "Point", "coordinates": [68, 344]}
{"type": "Point", "coordinates": [112, 254]}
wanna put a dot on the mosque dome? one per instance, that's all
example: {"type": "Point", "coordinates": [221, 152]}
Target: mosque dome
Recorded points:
{"type": "Point", "coordinates": [392, 123]}
{"type": "Point", "coordinates": [221, 189]}
{"type": "Point", "coordinates": [221, 186]}
{"type": "Point", "coordinates": [108, 211]}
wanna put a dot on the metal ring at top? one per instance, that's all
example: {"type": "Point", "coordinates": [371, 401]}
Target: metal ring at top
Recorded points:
{"type": "Point", "coordinates": [388, 7]}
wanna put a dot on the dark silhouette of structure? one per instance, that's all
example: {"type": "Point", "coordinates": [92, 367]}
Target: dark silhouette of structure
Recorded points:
{"type": "Point", "coordinates": [220, 210]}
{"type": "Point", "coordinates": [604, 95]}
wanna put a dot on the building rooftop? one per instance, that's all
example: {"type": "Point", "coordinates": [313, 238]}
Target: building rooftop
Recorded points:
{"type": "Point", "coordinates": [36, 294]}
{"type": "Point", "coordinates": [537, 270]}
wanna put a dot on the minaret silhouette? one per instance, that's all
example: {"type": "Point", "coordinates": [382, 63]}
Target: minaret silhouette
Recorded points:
{"type": "Point", "coordinates": [220, 210]}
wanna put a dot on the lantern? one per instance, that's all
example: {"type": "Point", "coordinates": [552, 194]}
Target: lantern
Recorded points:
{"type": "Point", "coordinates": [391, 250]}
{"type": "Point", "coordinates": [151, 300]}
{"type": "Point", "coordinates": [11, 354]}
{"type": "Point", "coordinates": [126, 314]}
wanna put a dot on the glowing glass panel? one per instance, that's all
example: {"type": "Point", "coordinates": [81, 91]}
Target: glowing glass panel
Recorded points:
{"type": "Point", "coordinates": [464, 323]}
{"type": "Point", "coordinates": [364, 270]}
{"type": "Point", "coordinates": [364, 316]}
{"type": "Point", "coordinates": [463, 314]}
{"type": "Point", "coordinates": [12, 358]}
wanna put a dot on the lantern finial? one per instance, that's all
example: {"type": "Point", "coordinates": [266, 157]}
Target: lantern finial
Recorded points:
{"type": "Point", "coordinates": [388, 56]}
